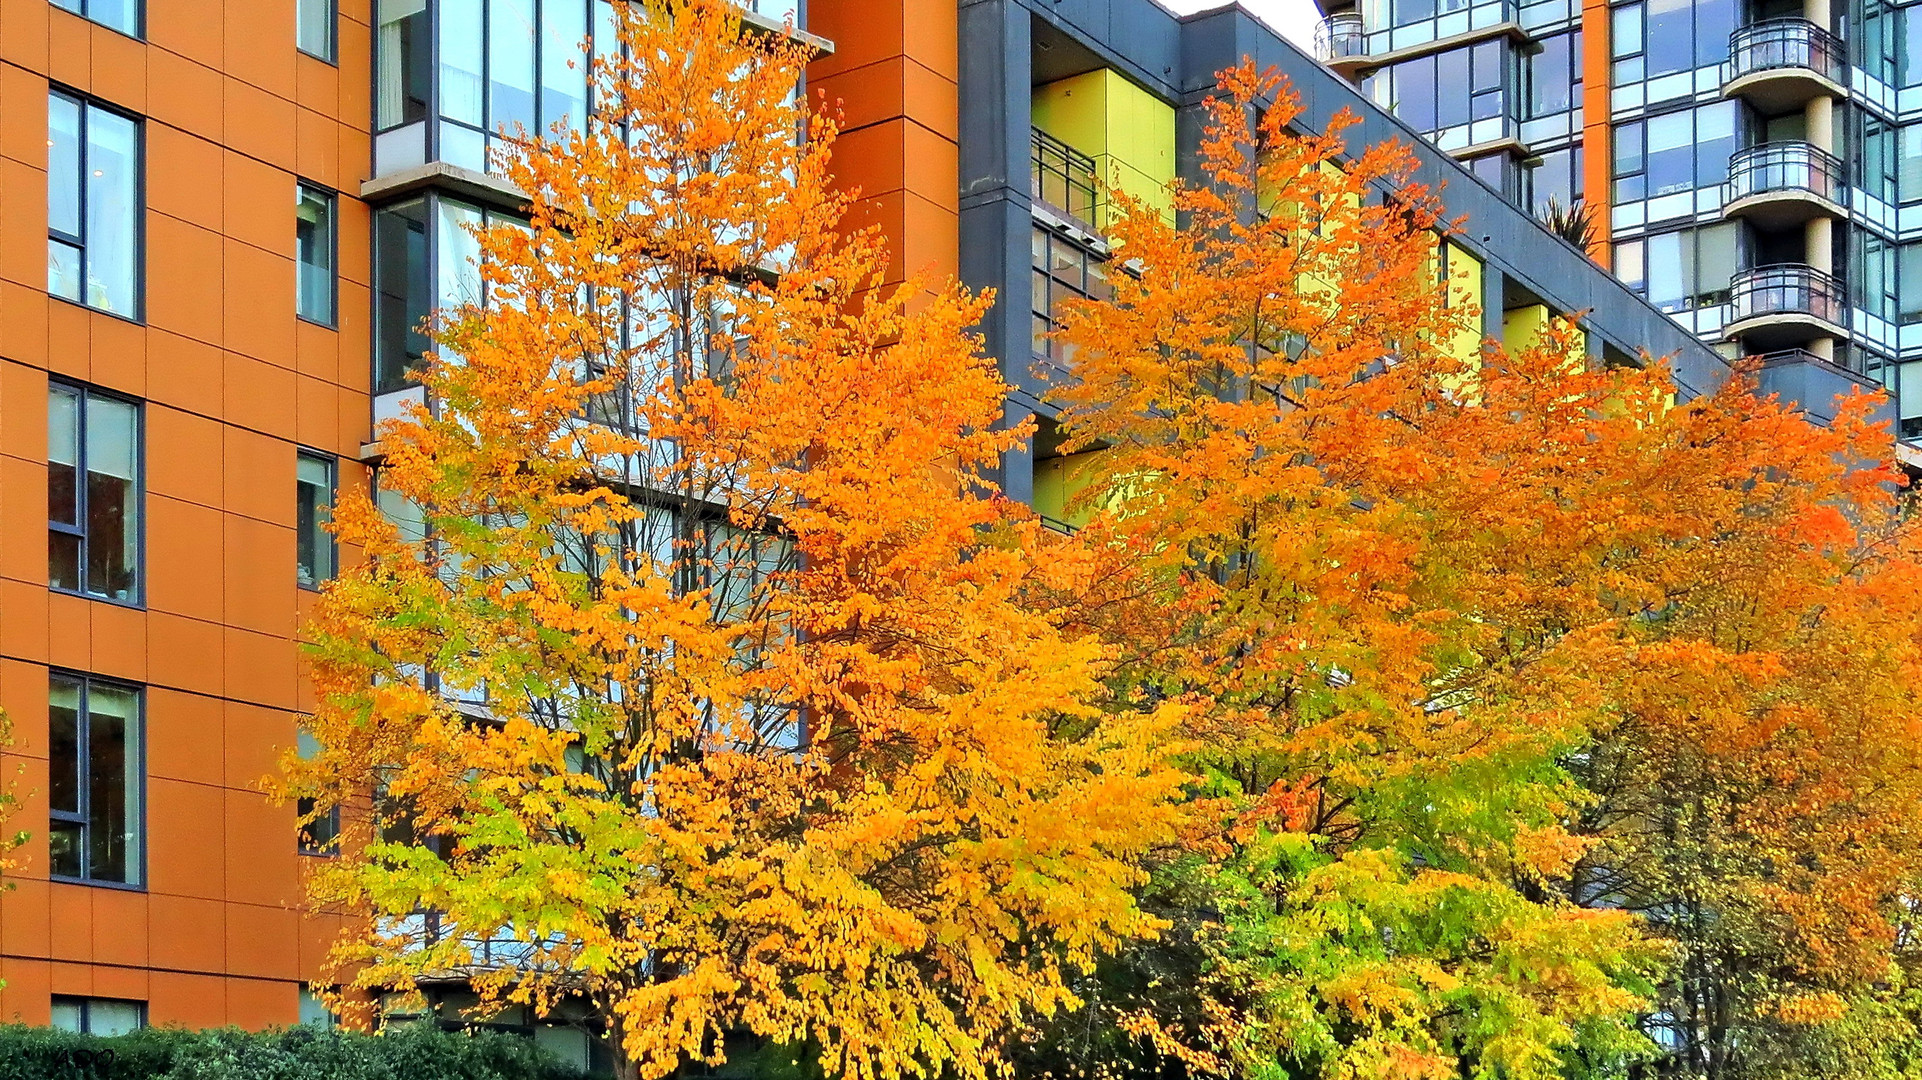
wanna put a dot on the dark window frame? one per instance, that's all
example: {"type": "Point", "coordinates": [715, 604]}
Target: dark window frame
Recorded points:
{"type": "Point", "coordinates": [139, 31]}
{"type": "Point", "coordinates": [136, 801]}
{"type": "Point", "coordinates": [86, 104]}
{"type": "Point", "coordinates": [86, 393]}
{"type": "Point", "coordinates": [333, 494]}
{"type": "Point", "coordinates": [332, 56]}
{"type": "Point", "coordinates": [332, 199]}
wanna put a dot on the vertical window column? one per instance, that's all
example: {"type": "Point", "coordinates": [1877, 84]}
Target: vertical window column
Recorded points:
{"type": "Point", "coordinates": [93, 205]}
{"type": "Point", "coordinates": [94, 781]}
{"type": "Point", "coordinates": [93, 494]}
{"type": "Point", "coordinates": [314, 247]}
{"type": "Point", "coordinates": [313, 507]}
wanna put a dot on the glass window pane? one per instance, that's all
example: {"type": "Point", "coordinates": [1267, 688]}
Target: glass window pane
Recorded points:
{"type": "Point", "coordinates": [63, 745]}
{"type": "Point", "coordinates": [1716, 259]}
{"type": "Point", "coordinates": [66, 1012]}
{"type": "Point", "coordinates": [402, 55]}
{"type": "Point", "coordinates": [461, 62]}
{"type": "Point", "coordinates": [563, 88]}
{"type": "Point", "coordinates": [1714, 22]}
{"type": "Point", "coordinates": [113, 523]}
{"type": "Point", "coordinates": [113, 1017]}
{"type": "Point", "coordinates": [63, 164]}
{"type": "Point", "coordinates": [1665, 272]}
{"type": "Point", "coordinates": [458, 258]}
{"type": "Point", "coordinates": [1671, 157]}
{"type": "Point", "coordinates": [402, 293]}
{"type": "Point", "coordinates": [63, 455]}
{"type": "Point", "coordinates": [315, 31]}
{"type": "Point", "coordinates": [314, 248]}
{"type": "Point", "coordinates": [1415, 93]}
{"type": "Point", "coordinates": [312, 503]}
{"type": "Point", "coordinates": [113, 191]}
{"type": "Point", "coordinates": [113, 784]}
{"type": "Point", "coordinates": [122, 15]}
{"type": "Point", "coordinates": [1669, 43]}
{"type": "Point", "coordinates": [1451, 88]}
{"type": "Point", "coordinates": [1626, 38]}
{"type": "Point", "coordinates": [1714, 142]}
{"type": "Point", "coordinates": [510, 65]}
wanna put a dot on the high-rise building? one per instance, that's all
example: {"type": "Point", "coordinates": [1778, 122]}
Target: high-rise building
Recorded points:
{"type": "Point", "coordinates": [1750, 166]}
{"type": "Point", "coordinates": [222, 225]}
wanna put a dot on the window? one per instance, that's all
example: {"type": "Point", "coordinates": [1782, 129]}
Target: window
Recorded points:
{"type": "Point", "coordinates": [1681, 270]}
{"type": "Point", "coordinates": [1445, 90]}
{"type": "Point", "coordinates": [1875, 276]}
{"type": "Point", "coordinates": [1910, 308]}
{"type": "Point", "coordinates": [314, 1011]}
{"type": "Point", "coordinates": [314, 247]}
{"type": "Point", "coordinates": [1063, 270]}
{"type": "Point", "coordinates": [314, 28]}
{"type": "Point", "coordinates": [1663, 37]}
{"type": "Point", "coordinates": [98, 1016]}
{"type": "Point", "coordinates": [93, 211]}
{"type": "Point", "coordinates": [317, 836]}
{"type": "Point", "coordinates": [313, 506]}
{"type": "Point", "coordinates": [425, 258]}
{"type": "Point", "coordinates": [1557, 176]}
{"type": "Point", "coordinates": [1554, 76]}
{"type": "Point", "coordinates": [121, 15]}
{"type": "Point", "coordinates": [94, 772]}
{"type": "Point", "coordinates": [1890, 166]}
{"type": "Point", "coordinates": [1673, 152]}
{"type": "Point", "coordinates": [513, 64]}
{"type": "Point", "coordinates": [93, 493]}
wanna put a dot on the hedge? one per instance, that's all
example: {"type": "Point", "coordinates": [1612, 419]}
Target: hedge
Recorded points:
{"type": "Point", "coordinates": [402, 1052]}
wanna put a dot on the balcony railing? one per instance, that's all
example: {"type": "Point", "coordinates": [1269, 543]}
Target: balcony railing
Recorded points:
{"type": "Point", "coordinates": [1777, 44]}
{"type": "Point", "coordinates": [1062, 177]}
{"type": "Point", "coordinates": [1787, 357]}
{"type": "Point", "coordinates": [1783, 166]}
{"type": "Point", "coordinates": [1786, 289]}
{"type": "Point", "coordinates": [1341, 37]}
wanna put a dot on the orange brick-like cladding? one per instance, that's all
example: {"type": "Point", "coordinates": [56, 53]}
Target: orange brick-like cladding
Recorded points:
{"type": "Point", "coordinates": [894, 79]}
{"type": "Point", "coordinates": [232, 385]}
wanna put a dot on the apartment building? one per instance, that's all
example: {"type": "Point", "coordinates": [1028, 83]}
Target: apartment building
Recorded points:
{"type": "Point", "coordinates": [1752, 166]}
{"type": "Point", "coordinates": [220, 228]}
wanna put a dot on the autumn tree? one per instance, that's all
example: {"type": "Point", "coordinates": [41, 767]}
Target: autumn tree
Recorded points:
{"type": "Point", "coordinates": [685, 662]}
{"type": "Point", "coordinates": [1430, 599]}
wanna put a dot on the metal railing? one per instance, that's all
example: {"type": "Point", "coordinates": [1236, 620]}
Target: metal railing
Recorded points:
{"type": "Point", "coordinates": [1786, 289]}
{"type": "Point", "coordinates": [1062, 177]}
{"type": "Point", "coordinates": [1783, 166]}
{"type": "Point", "coordinates": [1784, 43]}
{"type": "Point", "coordinates": [1341, 36]}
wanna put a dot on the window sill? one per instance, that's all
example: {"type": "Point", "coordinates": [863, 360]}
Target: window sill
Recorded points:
{"type": "Point", "coordinates": [94, 883]}
{"type": "Point", "coordinates": [133, 605]}
{"type": "Point", "coordinates": [98, 311]}
{"type": "Point", "coordinates": [334, 326]}
{"type": "Point", "coordinates": [328, 60]}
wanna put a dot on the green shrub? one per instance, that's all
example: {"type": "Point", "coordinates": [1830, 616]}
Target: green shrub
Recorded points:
{"type": "Point", "coordinates": [403, 1052]}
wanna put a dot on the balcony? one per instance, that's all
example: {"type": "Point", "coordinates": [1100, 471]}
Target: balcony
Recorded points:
{"type": "Point", "coordinates": [1341, 42]}
{"type": "Point", "coordinates": [1781, 184]}
{"type": "Point", "coordinates": [1785, 305]}
{"type": "Point", "coordinates": [1812, 383]}
{"type": "Point", "coordinates": [1781, 64]}
{"type": "Point", "coordinates": [1063, 179]}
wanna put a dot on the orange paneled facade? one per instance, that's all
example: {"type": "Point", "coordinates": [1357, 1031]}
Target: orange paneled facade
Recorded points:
{"type": "Point", "coordinates": [230, 385]}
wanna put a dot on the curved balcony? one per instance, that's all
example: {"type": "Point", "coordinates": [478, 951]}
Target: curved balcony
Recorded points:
{"type": "Point", "coordinates": [1780, 184]}
{"type": "Point", "coordinates": [1785, 305]}
{"type": "Point", "coordinates": [1780, 64]}
{"type": "Point", "coordinates": [1341, 42]}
